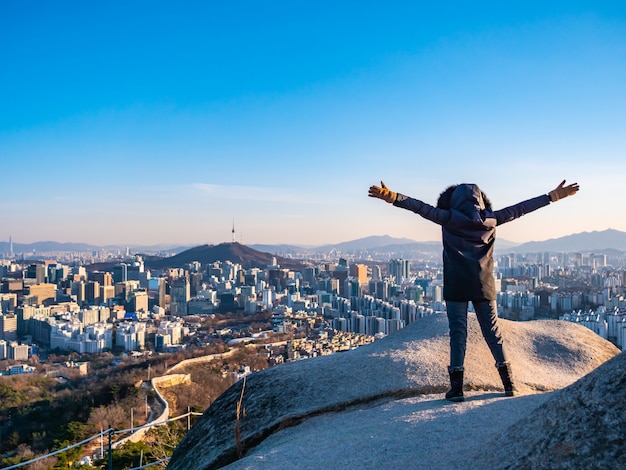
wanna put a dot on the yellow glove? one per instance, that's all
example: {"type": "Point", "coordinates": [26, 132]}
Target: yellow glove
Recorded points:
{"type": "Point", "coordinates": [382, 193]}
{"type": "Point", "coordinates": [563, 191]}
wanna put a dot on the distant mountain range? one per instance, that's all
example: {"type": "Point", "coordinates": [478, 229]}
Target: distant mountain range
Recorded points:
{"type": "Point", "coordinates": [74, 247]}
{"type": "Point", "coordinates": [580, 242]}
{"type": "Point", "coordinates": [377, 243]}
{"type": "Point", "coordinates": [595, 241]}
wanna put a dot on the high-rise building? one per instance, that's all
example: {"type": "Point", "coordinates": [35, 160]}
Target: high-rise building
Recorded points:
{"type": "Point", "coordinates": [359, 271]}
{"type": "Point", "coordinates": [597, 260]}
{"type": "Point", "coordinates": [120, 273]}
{"type": "Point", "coordinates": [136, 272]}
{"type": "Point", "coordinates": [268, 298]}
{"type": "Point", "coordinates": [102, 278]}
{"type": "Point", "coordinates": [37, 272]}
{"type": "Point", "coordinates": [12, 285]}
{"type": "Point", "coordinates": [341, 277]}
{"type": "Point", "coordinates": [78, 289]}
{"type": "Point", "coordinates": [309, 274]}
{"type": "Point", "coordinates": [18, 352]}
{"type": "Point", "coordinates": [79, 273]}
{"type": "Point", "coordinates": [8, 302]}
{"type": "Point", "coordinates": [227, 302]}
{"type": "Point", "coordinates": [195, 283]}
{"type": "Point", "coordinates": [139, 301]}
{"type": "Point", "coordinates": [8, 327]}
{"type": "Point", "coordinates": [57, 273]}
{"type": "Point", "coordinates": [379, 289]}
{"type": "Point", "coordinates": [89, 316]}
{"type": "Point", "coordinates": [278, 278]}
{"type": "Point", "coordinates": [106, 293]}
{"type": "Point", "coordinates": [25, 314]}
{"type": "Point", "coordinates": [131, 336]}
{"type": "Point", "coordinates": [161, 291]}
{"type": "Point", "coordinates": [352, 287]}
{"type": "Point", "coordinates": [157, 290]}
{"type": "Point", "coordinates": [92, 292]}
{"type": "Point", "coordinates": [399, 269]}
{"type": "Point", "coordinates": [179, 296]}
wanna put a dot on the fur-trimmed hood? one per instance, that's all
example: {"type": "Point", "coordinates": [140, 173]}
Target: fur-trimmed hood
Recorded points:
{"type": "Point", "coordinates": [467, 198]}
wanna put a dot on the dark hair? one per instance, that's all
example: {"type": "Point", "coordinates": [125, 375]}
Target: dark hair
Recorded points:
{"type": "Point", "coordinates": [486, 201]}
{"type": "Point", "coordinates": [444, 198]}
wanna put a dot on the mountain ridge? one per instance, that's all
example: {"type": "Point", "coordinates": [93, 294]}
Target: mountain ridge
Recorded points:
{"type": "Point", "coordinates": [582, 241]}
{"type": "Point", "coordinates": [609, 239]}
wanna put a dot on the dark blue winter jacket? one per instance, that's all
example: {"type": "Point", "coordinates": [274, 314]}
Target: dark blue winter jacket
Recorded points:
{"type": "Point", "coordinates": [468, 233]}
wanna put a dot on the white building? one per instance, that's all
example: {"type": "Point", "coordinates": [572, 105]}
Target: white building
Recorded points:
{"type": "Point", "coordinates": [18, 352]}
{"type": "Point", "coordinates": [609, 324]}
{"type": "Point", "coordinates": [172, 330]}
{"type": "Point", "coordinates": [100, 336]}
{"type": "Point", "coordinates": [62, 333]}
{"type": "Point", "coordinates": [93, 315]}
{"type": "Point", "coordinates": [268, 298]}
{"type": "Point", "coordinates": [131, 336]}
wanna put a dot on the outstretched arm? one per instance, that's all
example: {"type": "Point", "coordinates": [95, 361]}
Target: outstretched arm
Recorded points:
{"type": "Point", "coordinates": [439, 216]}
{"type": "Point", "coordinates": [513, 212]}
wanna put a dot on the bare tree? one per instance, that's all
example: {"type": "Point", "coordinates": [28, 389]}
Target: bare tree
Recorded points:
{"type": "Point", "coordinates": [105, 417]}
{"type": "Point", "coordinates": [164, 439]}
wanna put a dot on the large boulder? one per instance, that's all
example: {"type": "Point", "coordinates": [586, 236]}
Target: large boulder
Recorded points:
{"type": "Point", "coordinates": [581, 426]}
{"type": "Point", "coordinates": [545, 356]}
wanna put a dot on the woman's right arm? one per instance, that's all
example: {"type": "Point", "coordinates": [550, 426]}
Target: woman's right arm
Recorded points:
{"type": "Point", "coordinates": [439, 216]}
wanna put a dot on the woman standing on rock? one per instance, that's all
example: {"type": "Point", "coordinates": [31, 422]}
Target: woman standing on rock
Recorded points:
{"type": "Point", "coordinates": [468, 226]}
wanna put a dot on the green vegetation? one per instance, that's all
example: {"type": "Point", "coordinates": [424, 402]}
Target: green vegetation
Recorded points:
{"type": "Point", "coordinates": [40, 414]}
{"type": "Point", "coordinates": [158, 444]}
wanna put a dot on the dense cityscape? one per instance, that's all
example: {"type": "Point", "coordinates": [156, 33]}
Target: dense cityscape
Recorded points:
{"type": "Point", "coordinates": [69, 306]}
{"type": "Point", "coordinates": [82, 305]}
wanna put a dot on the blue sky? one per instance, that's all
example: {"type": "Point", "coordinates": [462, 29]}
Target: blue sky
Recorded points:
{"type": "Point", "coordinates": [147, 122]}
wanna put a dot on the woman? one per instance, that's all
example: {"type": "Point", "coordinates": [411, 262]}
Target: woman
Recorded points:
{"type": "Point", "coordinates": [468, 226]}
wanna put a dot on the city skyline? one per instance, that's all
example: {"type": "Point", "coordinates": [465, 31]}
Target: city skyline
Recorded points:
{"type": "Point", "coordinates": [153, 123]}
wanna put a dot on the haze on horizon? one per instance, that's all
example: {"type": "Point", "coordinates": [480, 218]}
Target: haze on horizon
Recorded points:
{"type": "Point", "coordinates": [152, 122]}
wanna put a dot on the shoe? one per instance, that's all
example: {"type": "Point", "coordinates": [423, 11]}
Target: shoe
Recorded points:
{"type": "Point", "coordinates": [505, 374]}
{"type": "Point", "coordinates": [456, 386]}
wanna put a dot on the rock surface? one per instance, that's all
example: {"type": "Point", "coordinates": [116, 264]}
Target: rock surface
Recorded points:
{"type": "Point", "coordinates": [581, 426]}
{"type": "Point", "coordinates": [403, 373]}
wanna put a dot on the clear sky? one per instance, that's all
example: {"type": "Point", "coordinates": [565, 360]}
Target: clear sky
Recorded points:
{"type": "Point", "coordinates": [147, 122]}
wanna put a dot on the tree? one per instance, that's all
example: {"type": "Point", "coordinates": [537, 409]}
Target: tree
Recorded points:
{"type": "Point", "coordinates": [68, 456]}
{"type": "Point", "coordinates": [105, 417]}
{"type": "Point", "coordinates": [164, 439]}
{"type": "Point", "coordinates": [130, 455]}
{"type": "Point", "coordinates": [43, 464]}
{"type": "Point", "coordinates": [75, 431]}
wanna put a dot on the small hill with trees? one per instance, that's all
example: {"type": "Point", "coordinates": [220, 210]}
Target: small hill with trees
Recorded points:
{"type": "Point", "coordinates": [235, 252]}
